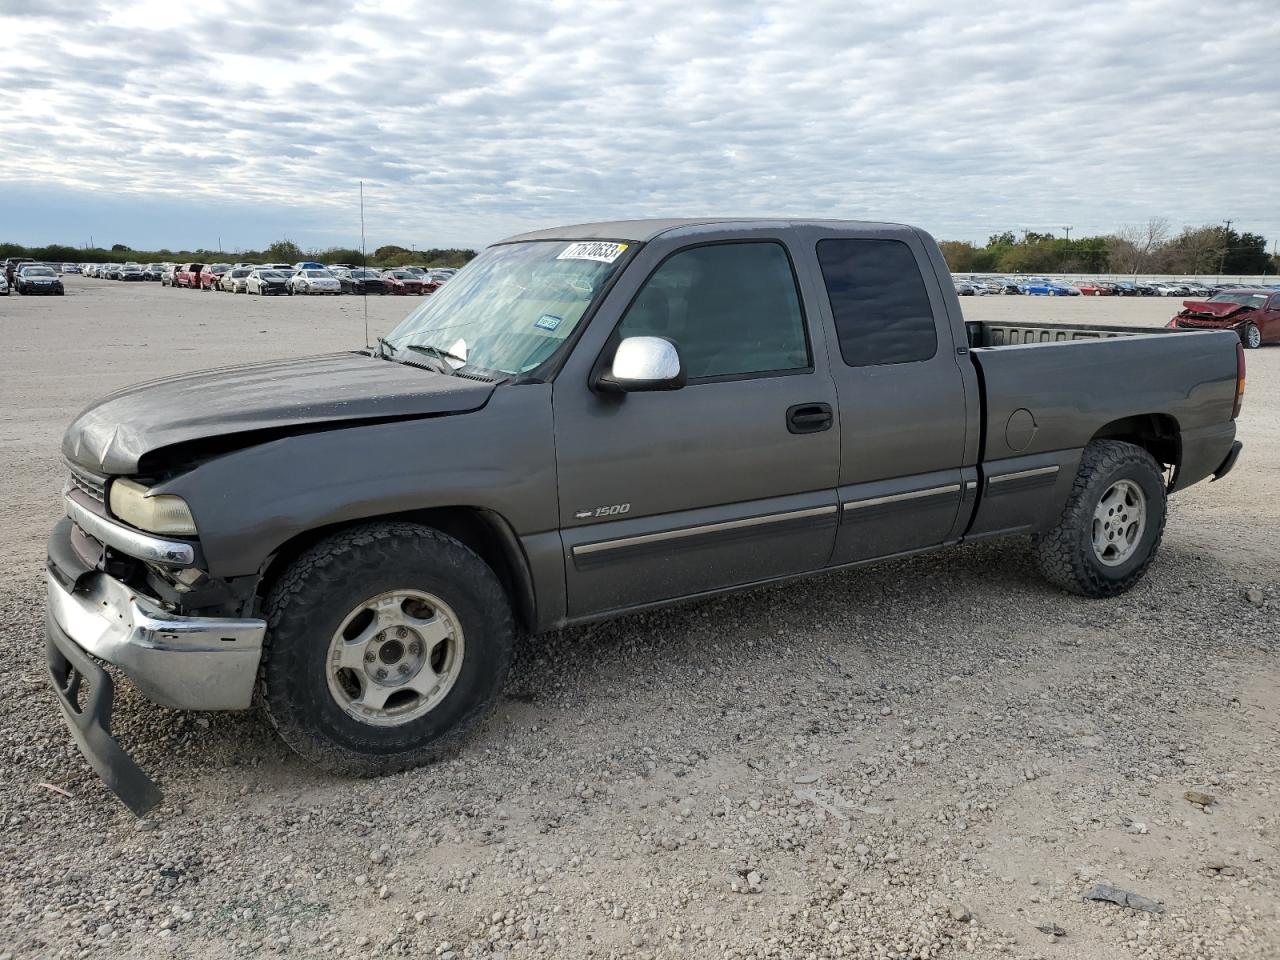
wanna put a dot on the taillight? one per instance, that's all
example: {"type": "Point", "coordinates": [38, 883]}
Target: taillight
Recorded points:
{"type": "Point", "coordinates": [1235, 411]}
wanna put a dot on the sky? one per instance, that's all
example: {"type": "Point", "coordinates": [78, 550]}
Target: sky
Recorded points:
{"type": "Point", "coordinates": [236, 123]}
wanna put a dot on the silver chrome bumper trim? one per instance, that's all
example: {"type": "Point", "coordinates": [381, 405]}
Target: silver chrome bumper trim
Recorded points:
{"type": "Point", "coordinates": [190, 663]}
{"type": "Point", "coordinates": [144, 546]}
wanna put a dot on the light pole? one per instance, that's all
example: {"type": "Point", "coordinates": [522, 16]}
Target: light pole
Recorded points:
{"type": "Point", "coordinates": [1222, 259]}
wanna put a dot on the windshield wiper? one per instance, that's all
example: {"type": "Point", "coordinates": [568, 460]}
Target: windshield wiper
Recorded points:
{"type": "Point", "coordinates": [441, 354]}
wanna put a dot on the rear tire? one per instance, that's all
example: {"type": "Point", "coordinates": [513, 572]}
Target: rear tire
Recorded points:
{"type": "Point", "coordinates": [321, 614]}
{"type": "Point", "coordinates": [1251, 336]}
{"type": "Point", "coordinates": [1111, 525]}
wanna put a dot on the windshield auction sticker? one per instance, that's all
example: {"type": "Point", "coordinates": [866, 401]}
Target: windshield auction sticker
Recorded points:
{"type": "Point", "coordinates": [593, 250]}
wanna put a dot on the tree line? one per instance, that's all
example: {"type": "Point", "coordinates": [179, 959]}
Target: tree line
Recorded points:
{"type": "Point", "coordinates": [282, 251]}
{"type": "Point", "coordinates": [1148, 248]}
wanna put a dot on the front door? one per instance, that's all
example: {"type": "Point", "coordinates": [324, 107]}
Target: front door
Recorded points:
{"type": "Point", "coordinates": [729, 480]}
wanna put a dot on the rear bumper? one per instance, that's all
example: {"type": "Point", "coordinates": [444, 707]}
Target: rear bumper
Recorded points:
{"type": "Point", "coordinates": [1225, 467]}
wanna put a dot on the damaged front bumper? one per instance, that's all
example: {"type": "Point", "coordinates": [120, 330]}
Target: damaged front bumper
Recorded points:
{"type": "Point", "coordinates": [188, 663]}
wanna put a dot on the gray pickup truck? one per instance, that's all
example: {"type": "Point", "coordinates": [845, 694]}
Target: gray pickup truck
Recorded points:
{"type": "Point", "coordinates": [588, 421]}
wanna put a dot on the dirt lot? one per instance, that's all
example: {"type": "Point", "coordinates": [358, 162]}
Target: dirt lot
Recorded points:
{"type": "Point", "coordinates": [921, 759]}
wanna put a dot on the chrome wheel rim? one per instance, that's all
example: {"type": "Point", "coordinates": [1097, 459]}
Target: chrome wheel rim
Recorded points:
{"type": "Point", "coordinates": [395, 657]}
{"type": "Point", "coordinates": [1119, 521]}
{"type": "Point", "coordinates": [1254, 335]}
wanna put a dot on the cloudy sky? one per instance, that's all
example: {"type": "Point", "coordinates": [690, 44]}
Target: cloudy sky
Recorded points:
{"type": "Point", "coordinates": [134, 122]}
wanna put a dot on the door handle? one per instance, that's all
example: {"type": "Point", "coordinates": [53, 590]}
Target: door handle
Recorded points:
{"type": "Point", "coordinates": [809, 417]}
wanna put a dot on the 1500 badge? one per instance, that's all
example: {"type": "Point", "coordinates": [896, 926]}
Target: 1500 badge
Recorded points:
{"type": "Point", "coordinates": [595, 513]}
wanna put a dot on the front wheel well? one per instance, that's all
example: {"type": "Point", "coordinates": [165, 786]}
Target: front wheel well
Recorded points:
{"type": "Point", "coordinates": [1156, 433]}
{"type": "Point", "coordinates": [485, 532]}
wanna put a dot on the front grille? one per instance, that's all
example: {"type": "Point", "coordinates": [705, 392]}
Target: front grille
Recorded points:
{"type": "Point", "coordinates": [87, 483]}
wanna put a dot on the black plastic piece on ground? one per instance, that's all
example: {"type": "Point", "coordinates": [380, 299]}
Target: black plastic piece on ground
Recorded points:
{"type": "Point", "coordinates": [69, 666]}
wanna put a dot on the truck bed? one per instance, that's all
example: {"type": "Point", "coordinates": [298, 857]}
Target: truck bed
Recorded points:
{"type": "Point", "coordinates": [983, 334]}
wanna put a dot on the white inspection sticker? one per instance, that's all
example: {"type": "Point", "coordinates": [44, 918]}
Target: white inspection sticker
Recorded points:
{"type": "Point", "coordinates": [593, 250]}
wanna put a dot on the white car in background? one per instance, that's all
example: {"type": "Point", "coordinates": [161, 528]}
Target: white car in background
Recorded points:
{"type": "Point", "coordinates": [4, 285]}
{"type": "Point", "coordinates": [70, 268]}
{"type": "Point", "coordinates": [266, 282]}
{"type": "Point", "coordinates": [314, 281]}
{"type": "Point", "coordinates": [235, 280]}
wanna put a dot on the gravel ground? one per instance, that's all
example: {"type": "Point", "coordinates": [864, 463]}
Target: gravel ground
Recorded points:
{"type": "Point", "coordinates": [927, 758]}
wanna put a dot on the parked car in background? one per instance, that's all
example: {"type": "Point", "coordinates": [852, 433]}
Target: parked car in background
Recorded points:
{"type": "Point", "coordinates": [166, 275]}
{"type": "Point", "coordinates": [314, 281]}
{"type": "Point", "coordinates": [11, 266]}
{"type": "Point", "coordinates": [235, 280]}
{"type": "Point", "coordinates": [112, 271]}
{"type": "Point", "coordinates": [132, 271]}
{"type": "Point", "coordinates": [286, 267]}
{"type": "Point", "coordinates": [964, 288]}
{"type": "Point", "coordinates": [308, 265]}
{"type": "Point", "coordinates": [266, 282]}
{"type": "Point", "coordinates": [1040, 287]}
{"type": "Point", "coordinates": [361, 280]}
{"type": "Point", "coordinates": [403, 283]}
{"type": "Point", "coordinates": [153, 271]}
{"type": "Point", "coordinates": [1252, 313]}
{"type": "Point", "coordinates": [211, 274]}
{"type": "Point", "coordinates": [188, 275]}
{"type": "Point", "coordinates": [1094, 288]}
{"type": "Point", "coordinates": [36, 278]}
{"type": "Point", "coordinates": [70, 268]}
{"type": "Point", "coordinates": [4, 284]}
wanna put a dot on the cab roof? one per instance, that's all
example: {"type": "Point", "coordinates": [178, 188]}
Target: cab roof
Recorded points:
{"type": "Point", "coordinates": [642, 231]}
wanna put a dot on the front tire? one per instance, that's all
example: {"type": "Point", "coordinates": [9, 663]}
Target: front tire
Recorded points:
{"type": "Point", "coordinates": [1111, 525]}
{"type": "Point", "coordinates": [385, 644]}
{"type": "Point", "coordinates": [1251, 336]}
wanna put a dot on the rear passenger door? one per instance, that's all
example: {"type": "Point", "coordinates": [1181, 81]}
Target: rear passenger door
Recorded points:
{"type": "Point", "coordinates": [903, 413]}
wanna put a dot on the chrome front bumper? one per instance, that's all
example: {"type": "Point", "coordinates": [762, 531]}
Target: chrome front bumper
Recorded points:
{"type": "Point", "coordinates": [190, 663]}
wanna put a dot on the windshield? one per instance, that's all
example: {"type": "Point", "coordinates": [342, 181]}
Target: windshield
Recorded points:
{"type": "Point", "coordinates": [38, 272]}
{"type": "Point", "coordinates": [316, 273]}
{"type": "Point", "coordinates": [1244, 299]}
{"type": "Point", "coordinates": [364, 274]}
{"type": "Point", "coordinates": [271, 275]}
{"type": "Point", "coordinates": [513, 305]}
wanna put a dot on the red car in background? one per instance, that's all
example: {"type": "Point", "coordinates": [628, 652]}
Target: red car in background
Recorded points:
{"type": "Point", "coordinates": [1092, 288]}
{"type": "Point", "coordinates": [211, 274]}
{"type": "Point", "coordinates": [187, 275]}
{"type": "Point", "coordinates": [403, 283]}
{"type": "Point", "coordinates": [1254, 314]}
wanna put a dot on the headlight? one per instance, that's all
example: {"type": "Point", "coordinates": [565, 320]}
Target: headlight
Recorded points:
{"type": "Point", "coordinates": [134, 504]}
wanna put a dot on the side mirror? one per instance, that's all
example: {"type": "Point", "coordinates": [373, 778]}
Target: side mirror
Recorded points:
{"type": "Point", "coordinates": [644, 363]}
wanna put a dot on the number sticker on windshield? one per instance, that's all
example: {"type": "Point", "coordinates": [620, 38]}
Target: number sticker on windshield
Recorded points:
{"type": "Point", "coordinates": [548, 321]}
{"type": "Point", "coordinates": [594, 250]}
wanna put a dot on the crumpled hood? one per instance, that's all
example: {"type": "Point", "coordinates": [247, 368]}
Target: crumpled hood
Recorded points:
{"type": "Point", "coordinates": [1218, 310]}
{"type": "Point", "coordinates": [266, 400]}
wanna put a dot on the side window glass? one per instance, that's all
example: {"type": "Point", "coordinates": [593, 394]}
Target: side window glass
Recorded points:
{"type": "Point", "coordinates": [879, 302]}
{"type": "Point", "coordinates": [730, 308]}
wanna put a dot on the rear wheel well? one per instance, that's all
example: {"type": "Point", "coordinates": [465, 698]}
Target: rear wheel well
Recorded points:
{"type": "Point", "coordinates": [1156, 433]}
{"type": "Point", "coordinates": [482, 531]}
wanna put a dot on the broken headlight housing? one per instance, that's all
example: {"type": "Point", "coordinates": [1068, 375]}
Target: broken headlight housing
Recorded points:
{"type": "Point", "coordinates": [159, 513]}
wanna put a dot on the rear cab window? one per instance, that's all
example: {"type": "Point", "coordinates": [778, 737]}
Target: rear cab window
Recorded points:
{"type": "Point", "coordinates": [878, 300]}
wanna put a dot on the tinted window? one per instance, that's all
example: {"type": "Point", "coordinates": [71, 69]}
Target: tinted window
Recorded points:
{"type": "Point", "coordinates": [879, 301]}
{"type": "Point", "coordinates": [730, 308]}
